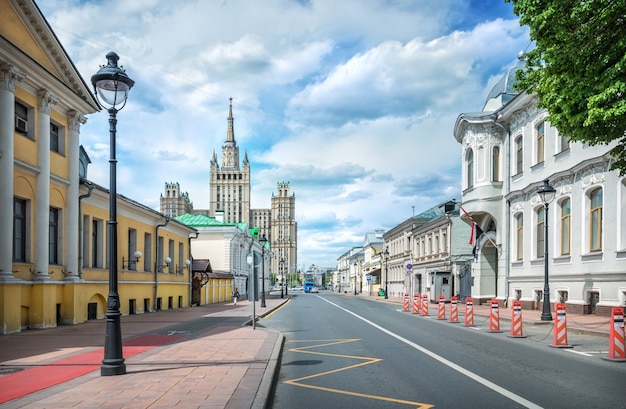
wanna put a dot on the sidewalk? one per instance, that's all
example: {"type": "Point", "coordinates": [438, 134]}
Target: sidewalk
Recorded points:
{"type": "Point", "coordinates": [199, 357]}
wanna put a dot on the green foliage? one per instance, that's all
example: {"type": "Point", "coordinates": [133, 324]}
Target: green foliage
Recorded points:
{"type": "Point", "coordinates": [578, 68]}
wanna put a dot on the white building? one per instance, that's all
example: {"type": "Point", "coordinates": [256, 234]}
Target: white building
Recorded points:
{"type": "Point", "coordinates": [508, 150]}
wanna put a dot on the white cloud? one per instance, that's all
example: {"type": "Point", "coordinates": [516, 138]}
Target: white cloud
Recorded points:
{"type": "Point", "coordinates": [351, 102]}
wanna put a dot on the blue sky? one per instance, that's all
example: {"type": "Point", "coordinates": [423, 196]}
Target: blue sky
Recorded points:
{"type": "Point", "coordinates": [353, 102]}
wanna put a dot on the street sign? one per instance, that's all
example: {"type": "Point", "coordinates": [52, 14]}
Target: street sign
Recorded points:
{"type": "Point", "coordinates": [409, 266]}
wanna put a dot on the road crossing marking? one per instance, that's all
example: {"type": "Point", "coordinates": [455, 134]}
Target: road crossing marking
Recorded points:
{"type": "Point", "coordinates": [365, 361]}
{"type": "Point", "coordinates": [485, 382]}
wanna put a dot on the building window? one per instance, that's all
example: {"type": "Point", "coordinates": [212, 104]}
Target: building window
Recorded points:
{"type": "Point", "coordinates": [595, 220]}
{"type": "Point", "coordinates": [54, 138]}
{"type": "Point", "coordinates": [519, 154]}
{"type": "Point", "coordinates": [97, 240]}
{"type": "Point", "coordinates": [470, 168]}
{"type": "Point", "coordinates": [540, 230]}
{"type": "Point", "coordinates": [563, 143]}
{"type": "Point", "coordinates": [623, 215]}
{"type": "Point", "coordinates": [20, 231]}
{"type": "Point", "coordinates": [495, 164]}
{"type": "Point", "coordinates": [565, 226]}
{"type": "Point", "coordinates": [53, 236]}
{"type": "Point", "coordinates": [540, 142]}
{"type": "Point", "coordinates": [21, 118]}
{"type": "Point", "coordinates": [519, 236]}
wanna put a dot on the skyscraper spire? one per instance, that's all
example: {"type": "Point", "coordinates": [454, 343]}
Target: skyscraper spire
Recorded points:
{"type": "Point", "coordinates": [230, 134]}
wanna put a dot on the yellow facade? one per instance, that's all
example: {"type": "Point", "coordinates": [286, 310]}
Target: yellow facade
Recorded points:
{"type": "Point", "coordinates": [43, 288]}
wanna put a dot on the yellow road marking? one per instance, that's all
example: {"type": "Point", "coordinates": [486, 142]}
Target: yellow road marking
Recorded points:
{"type": "Point", "coordinates": [366, 361]}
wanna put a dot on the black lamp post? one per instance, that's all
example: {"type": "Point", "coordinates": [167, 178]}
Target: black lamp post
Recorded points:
{"type": "Point", "coordinates": [546, 193]}
{"type": "Point", "coordinates": [356, 273]}
{"type": "Point", "coordinates": [263, 240]}
{"type": "Point", "coordinates": [111, 86]}
{"type": "Point", "coordinates": [386, 253]}
{"type": "Point", "coordinates": [282, 276]}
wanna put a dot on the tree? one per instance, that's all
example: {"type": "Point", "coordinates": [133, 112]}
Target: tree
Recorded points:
{"type": "Point", "coordinates": [578, 68]}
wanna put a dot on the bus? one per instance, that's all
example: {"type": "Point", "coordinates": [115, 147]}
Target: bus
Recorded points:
{"type": "Point", "coordinates": [308, 286]}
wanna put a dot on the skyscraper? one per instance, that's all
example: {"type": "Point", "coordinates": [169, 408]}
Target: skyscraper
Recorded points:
{"type": "Point", "coordinates": [230, 182]}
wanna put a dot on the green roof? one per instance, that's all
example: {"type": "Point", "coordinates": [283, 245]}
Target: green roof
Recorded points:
{"type": "Point", "coordinates": [200, 220]}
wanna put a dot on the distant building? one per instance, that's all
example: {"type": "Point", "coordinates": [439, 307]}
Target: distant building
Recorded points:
{"type": "Point", "coordinates": [230, 181]}
{"type": "Point", "coordinates": [284, 232]}
{"type": "Point", "coordinates": [174, 202]}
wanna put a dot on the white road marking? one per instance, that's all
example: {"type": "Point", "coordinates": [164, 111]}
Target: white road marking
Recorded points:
{"type": "Point", "coordinates": [496, 388]}
{"type": "Point", "coordinates": [578, 352]}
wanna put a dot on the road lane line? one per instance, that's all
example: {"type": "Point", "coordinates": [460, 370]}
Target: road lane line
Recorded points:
{"type": "Point", "coordinates": [496, 388]}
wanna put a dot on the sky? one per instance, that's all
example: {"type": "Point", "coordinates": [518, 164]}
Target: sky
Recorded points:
{"type": "Point", "coordinates": [353, 102]}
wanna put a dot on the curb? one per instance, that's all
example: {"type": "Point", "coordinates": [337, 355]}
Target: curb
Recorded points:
{"type": "Point", "coordinates": [270, 376]}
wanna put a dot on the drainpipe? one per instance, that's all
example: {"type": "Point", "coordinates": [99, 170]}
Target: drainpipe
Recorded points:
{"type": "Point", "coordinates": [507, 216]}
{"type": "Point", "coordinates": [191, 269]}
{"type": "Point", "coordinates": [90, 186]}
{"type": "Point", "coordinates": [156, 261]}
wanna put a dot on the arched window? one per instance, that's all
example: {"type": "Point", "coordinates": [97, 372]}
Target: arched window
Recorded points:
{"type": "Point", "coordinates": [595, 220]}
{"type": "Point", "coordinates": [519, 154]}
{"type": "Point", "coordinates": [540, 232]}
{"type": "Point", "coordinates": [519, 237]}
{"type": "Point", "coordinates": [565, 207]}
{"type": "Point", "coordinates": [495, 164]}
{"type": "Point", "coordinates": [470, 168]}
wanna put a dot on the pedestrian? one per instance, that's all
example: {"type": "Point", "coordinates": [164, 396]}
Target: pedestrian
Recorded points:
{"type": "Point", "coordinates": [235, 295]}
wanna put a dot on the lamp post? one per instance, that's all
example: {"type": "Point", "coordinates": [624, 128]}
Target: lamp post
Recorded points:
{"type": "Point", "coordinates": [386, 253]}
{"type": "Point", "coordinates": [356, 273]}
{"type": "Point", "coordinates": [111, 86]}
{"type": "Point", "coordinates": [282, 276]}
{"type": "Point", "coordinates": [263, 240]}
{"type": "Point", "coordinates": [546, 193]}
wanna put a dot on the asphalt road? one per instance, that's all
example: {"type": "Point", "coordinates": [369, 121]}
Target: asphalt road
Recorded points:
{"type": "Point", "coordinates": [344, 351]}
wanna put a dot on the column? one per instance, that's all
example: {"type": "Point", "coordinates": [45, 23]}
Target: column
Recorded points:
{"type": "Point", "coordinates": [72, 214]}
{"type": "Point", "coordinates": [8, 76]}
{"type": "Point", "coordinates": [42, 188]}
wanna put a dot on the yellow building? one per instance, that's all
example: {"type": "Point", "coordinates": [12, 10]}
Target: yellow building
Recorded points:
{"type": "Point", "coordinates": [53, 222]}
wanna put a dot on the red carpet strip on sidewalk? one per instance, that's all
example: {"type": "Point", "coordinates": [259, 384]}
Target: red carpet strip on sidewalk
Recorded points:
{"type": "Point", "coordinates": [25, 382]}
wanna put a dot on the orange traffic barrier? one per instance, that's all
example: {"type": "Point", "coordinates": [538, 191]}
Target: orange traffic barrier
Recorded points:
{"type": "Point", "coordinates": [560, 327]}
{"type": "Point", "coordinates": [416, 304]}
{"type": "Point", "coordinates": [617, 347]}
{"type": "Point", "coordinates": [406, 302]}
{"type": "Point", "coordinates": [494, 317]}
{"type": "Point", "coordinates": [441, 311]}
{"type": "Point", "coordinates": [425, 302]}
{"type": "Point", "coordinates": [454, 310]}
{"type": "Point", "coordinates": [516, 320]}
{"type": "Point", "coordinates": [469, 312]}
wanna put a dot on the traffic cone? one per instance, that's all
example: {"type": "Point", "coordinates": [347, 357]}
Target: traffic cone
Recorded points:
{"type": "Point", "coordinates": [425, 302]}
{"type": "Point", "coordinates": [516, 320]}
{"type": "Point", "coordinates": [469, 312]}
{"type": "Point", "coordinates": [617, 347]}
{"type": "Point", "coordinates": [441, 311]}
{"type": "Point", "coordinates": [454, 310]}
{"type": "Point", "coordinates": [560, 328]}
{"type": "Point", "coordinates": [406, 303]}
{"type": "Point", "coordinates": [494, 317]}
{"type": "Point", "coordinates": [416, 304]}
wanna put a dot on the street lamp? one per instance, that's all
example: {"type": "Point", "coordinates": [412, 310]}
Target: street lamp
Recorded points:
{"type": "Point", "coordinates": [111, 86]}
{"type": "Point", "coordinates": [263, 240]}
{"type": "Point", "coordinates": [282, 276]}
{"type": "Point", "coordinates": [356, 273]}
{"type": "Point", "coordinates": [386, 253]}
{"type": "Point", "coordinates": [546, 193]}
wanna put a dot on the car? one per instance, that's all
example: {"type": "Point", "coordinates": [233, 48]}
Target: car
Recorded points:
{"type": "Point", "coordinates": [297, 289]}
{"type": "Point", "coordinates": [315, 290]}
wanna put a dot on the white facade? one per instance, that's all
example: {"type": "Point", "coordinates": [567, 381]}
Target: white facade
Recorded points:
{"type": "Point", "coordinates": [507, 154]}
